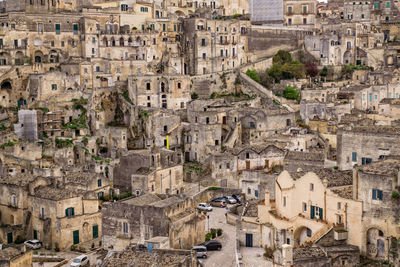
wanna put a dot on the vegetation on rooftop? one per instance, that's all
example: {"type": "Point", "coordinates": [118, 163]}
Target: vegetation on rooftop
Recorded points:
{"type": "Point", "coordinates": [62, 143]}
{"type": "Point", "coordinates": [79, 123]}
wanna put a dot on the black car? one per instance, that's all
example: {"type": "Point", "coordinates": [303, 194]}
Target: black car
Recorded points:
{"type": "Point", "coordinates": [212, 245]}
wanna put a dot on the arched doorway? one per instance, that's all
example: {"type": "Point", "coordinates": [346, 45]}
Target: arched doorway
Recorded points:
{"type": "Point", "coordinates": [376, 243]}
{"type": "Point", "coordinates": [121, 41]}
{"type": "Point", "coordinates": [6, 85]}
{"type": "Point", "coordinates": [347, 57]}
{"type": "Point", "coordinates": [38, 57]}
{"type": "Point", "coordinates": [301, 235]}
{"type": "Point", "coordinates": [19, 58]}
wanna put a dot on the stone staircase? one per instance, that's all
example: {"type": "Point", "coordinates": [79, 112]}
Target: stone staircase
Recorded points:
{"type": "Point", "coordinates": [319, 234]}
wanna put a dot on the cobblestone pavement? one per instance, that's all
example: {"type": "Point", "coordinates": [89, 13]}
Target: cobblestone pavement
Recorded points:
{"type": "Point", "coordinates": [226, 257]}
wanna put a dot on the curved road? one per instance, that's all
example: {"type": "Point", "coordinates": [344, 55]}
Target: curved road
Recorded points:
{"type": "Point", "coordinates": [225, 257]}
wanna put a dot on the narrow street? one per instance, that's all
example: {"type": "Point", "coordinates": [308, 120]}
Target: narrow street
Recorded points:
{"type": "Point", "coordinates": [225, 257]}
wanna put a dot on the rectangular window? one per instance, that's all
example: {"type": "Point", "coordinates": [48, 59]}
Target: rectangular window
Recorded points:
{"type": "Point", "coordinates": [204, 55]}
{"type": "Point", "coordinates": [397, 95]}
{"type": "Point", "coordinates": [377, 194]}
{"type": "Point", "coordinates": [40, 28]}
{"type": "Point", "coordinates": [125, 227]}
{"type": "Point", "coordinates": [339, 219]}
{"type": "Point", "coordinates": [75, 28]}
{"type": "Point", "coordinates": [311, 187]}
{"type": "Point", "coordinates": [376, 5]}
{"type": "Point", "coordinates": [387, 4]}
{"type": "Point", "coordinates": [58, 28]}
{"type": "Point", "coordinates": [376, 97]}
{"type": "Point", "coordinates": [370, 97]}
{"type": "Point", "coordinates": [222, 52]}
{"type": "Point", "coordinates": [339, 205]}
{"type": "Point", "coordinates": [95, 231]}
{"type": "Point", "coordinates": [284, 201]}
{"type": "Point", "coordinates": [390, 95]}
{"type": "Point", "coordinates": [354, 156]}
{"type": "Point", "coordinates": [304, 207]}
{"type": "Point", "coordinates": [54, 87]}
{"type": "Point", "coordinates": [99, 182]}
{"type": "Point", "coordinates": [164, 27]}
{"type": "Point", "coordinates": [203, 42]}
{"type": "Point", "coordinates": [305, 9]}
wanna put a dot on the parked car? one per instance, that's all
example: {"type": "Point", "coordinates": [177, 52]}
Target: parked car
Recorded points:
{"type": "Point", "coordinates": [212, 245]}
{"type": "Point", "coordinates": [237, 198]}
{"type": "Point", "coordinates": [218, 203]}
{"type": "Point", "coordinates": [230, 200]}
{"type": "Point", "coordinates": [204, 207]}
{"type": "Point", "coordinates": [201, 251]}
{"type": "Point", "coordinates": [82, 260]}
{"type": "Point", "coordinates": [33, 244]}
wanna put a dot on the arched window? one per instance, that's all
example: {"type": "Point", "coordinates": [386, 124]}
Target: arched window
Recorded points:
{"type": "Point", "coordinates": [162, 87]}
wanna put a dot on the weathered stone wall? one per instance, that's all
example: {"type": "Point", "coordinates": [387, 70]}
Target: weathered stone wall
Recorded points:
{"type": "Point", "coordinates": [365, 144]}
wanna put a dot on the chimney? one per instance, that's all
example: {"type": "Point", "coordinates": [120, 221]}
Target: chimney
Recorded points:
{"type": "Point", "coordinates": [287, 255]}
{"type": "Point", "coordinates": [267, 198]}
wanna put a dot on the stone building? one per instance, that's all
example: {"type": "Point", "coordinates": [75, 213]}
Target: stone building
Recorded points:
{"type": "Point", "coordinates": [363, 145]}
{"type": "Point", "coordinates": [16, 256]}
{"type": "Point", "coordinates": [299, 12]}
{"type": "Point", "coordinates": [377, 185]}
{"type": "Point", "coordinates": [172, 92]}
{"type": "Point", "coordinates": [310, 204]}
{"type": "Point", "coordinates": [258, 124]}
{"type": "Point", "coordinates": [136, 220]}
{"type": "Point", "coordinates": [149, 171]}
{"type": "Point", "coordinates": [224, 49]}
{"type": "Point", "coordinates": [160, 257]}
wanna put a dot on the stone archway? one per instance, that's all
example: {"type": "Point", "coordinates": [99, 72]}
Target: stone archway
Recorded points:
{"type": "Point", "coordinates": [6, 85]}
{"type": "Point", "coordinates": [302, 234]}
{"type": "Point", "coordinates": [19, 58]}
{"type": "Point", "coordinates": [85, 232]}
{"type": "Point", "coordinates": [39, 57]}
{"type": "Point", "coordinates": [376, 248]}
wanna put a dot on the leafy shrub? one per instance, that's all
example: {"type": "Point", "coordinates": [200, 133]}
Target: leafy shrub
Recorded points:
{"type": "Point", "coordinates": [395, 195]}
{"type": "Point", "coordinates": [291, 92]}
{"type": "Point", "coordinates": [194, 95]}
{"type": "Point", "coordinates": [208, 236]}
{"type": "Point", "coordinates": [213, 233]}
{"type": "Point", "coordinates": [19, 240]}
{"type": "Point", "coordinates": [219, 232]}
{"type": "Point", "coordinates": [253, 75]}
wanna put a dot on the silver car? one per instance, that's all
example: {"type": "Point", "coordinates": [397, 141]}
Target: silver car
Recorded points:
{"type": "Point", "coordinates": [201, 251]}
{"type": "Point", "coordinates": [204, 207]}
{"type": "Point", "coordinates": [33, 244]}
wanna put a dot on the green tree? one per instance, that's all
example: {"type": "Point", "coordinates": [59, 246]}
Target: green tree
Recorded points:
{"type": "Point", "coordinates": [291, 92]}
{"type": "Point", "coordinates": [282, 57]}
{"type": "Point", "coordinates": [324, 72]}
{"type": "Point", "coordinates": [254, 75]}
{"type": "Point", "coordinates": [275, 72]}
